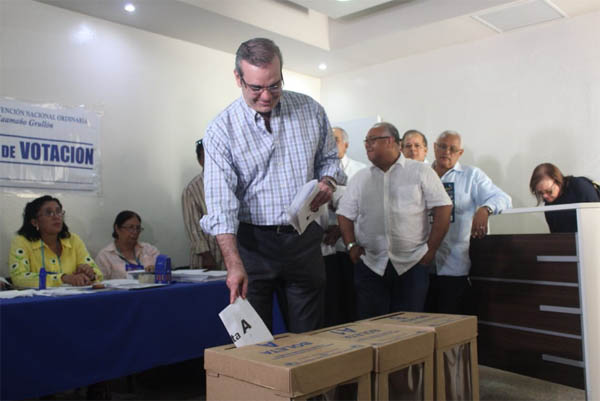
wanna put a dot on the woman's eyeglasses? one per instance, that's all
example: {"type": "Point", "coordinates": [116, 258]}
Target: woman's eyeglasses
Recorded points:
{"type": "Point", "coordinates": [547, 191]}
{"type": "Point", "coordinates": [52, 213]}
{"type": "Point", "coordinates": [133, 229]}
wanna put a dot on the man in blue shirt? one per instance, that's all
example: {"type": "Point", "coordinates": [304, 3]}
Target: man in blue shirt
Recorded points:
{"type": "Point", "coordinates": [259, 152]}
{"type": "Point", "coordinates": [474, 198]}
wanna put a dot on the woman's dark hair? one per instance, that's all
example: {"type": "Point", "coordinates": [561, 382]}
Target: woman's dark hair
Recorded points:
{"type": "Point", "coordinates": [121, 218]}
{"type": "Point", "coordinates": [31, 211]}
{"type": "Point", "coordinates": [199, 149]}
{"type": "Point", "coordinates": [542, 171]}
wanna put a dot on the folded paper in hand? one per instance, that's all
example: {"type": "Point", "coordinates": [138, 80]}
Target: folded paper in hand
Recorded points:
{"type": "Point", "coordinates": [243, 324]}
{"type": "Point", "coordinates": [299, 211]}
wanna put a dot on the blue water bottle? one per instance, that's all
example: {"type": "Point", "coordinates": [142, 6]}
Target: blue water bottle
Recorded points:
{"type": "Point", "coordinates": [162, 269]}
{"type": "Point", "coordinates": [42, 283]}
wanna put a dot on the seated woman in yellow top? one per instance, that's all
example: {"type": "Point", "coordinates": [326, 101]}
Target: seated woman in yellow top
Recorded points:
{"type": "Point", "coordinates": [44, 241]}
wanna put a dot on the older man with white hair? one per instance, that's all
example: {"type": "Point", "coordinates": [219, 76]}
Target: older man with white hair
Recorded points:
{"type": "Point", "coordinates": [475, 198]}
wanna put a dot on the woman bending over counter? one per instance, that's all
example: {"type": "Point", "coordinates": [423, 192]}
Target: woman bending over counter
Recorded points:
{"type": "Point", "coordinates": [550, 185]}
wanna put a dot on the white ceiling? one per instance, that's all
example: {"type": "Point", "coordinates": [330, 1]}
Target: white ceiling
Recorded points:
{"type": "Point", "coordinates": [344, 35]}
{"type": "Point", "coordinates": [344, 8]}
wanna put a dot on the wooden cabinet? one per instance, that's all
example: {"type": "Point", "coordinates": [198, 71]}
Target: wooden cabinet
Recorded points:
{"type": "Point", "coordinates": [537, 297]}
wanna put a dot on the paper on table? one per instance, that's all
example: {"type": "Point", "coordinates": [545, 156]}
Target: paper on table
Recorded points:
{"type": "Point", "coordinates": [16, 293]}
{"type": "Point", "coordinates": [119, 282]}
{"type": "Point", "coordinates": [64, 290]}
{"type": "Point", "coordinates": [129, 284]}
{"type": "Point", "coordinates": [215, 273]}
{"type": "Point", "coordinates": [196, 276]}
{"type": "Point", "coordinates": [299, 211]}
{"type": "Point", "coordinates": [243, 324]}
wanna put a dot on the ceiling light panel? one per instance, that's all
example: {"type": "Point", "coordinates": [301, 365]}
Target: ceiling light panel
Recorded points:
{"type": "Point", "coordinates": [338, 9]}
{"type": "Point", "coordinates": [519, 15]}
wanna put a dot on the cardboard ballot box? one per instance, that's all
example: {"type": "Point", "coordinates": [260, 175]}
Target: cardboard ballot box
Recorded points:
{"type": "Point", "coordinates": [455, 369]}
{"type": "Point", "coordinates": [292, 367]}
{"type": "Point", "coordinates": [403, 358]}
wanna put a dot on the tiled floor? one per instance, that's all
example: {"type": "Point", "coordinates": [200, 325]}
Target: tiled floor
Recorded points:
{"type": "Point", "coordinates": [497, 385]}
{"type": "Point", "coordinates": [185, 381]}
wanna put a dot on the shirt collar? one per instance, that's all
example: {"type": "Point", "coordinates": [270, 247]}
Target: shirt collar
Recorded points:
{"type": "Point", "coordinates": [344, 161]}
{"type": "Point", "coordinates": [65, 243]}
{"type": "Point", "coordinates": [112, 247]}
{"type": "Point", "coordinates": [457, 167]}
{"type": "Point", "coordinates": [401, 160]}
{"type": "Point", "coordinates": [277, 110]}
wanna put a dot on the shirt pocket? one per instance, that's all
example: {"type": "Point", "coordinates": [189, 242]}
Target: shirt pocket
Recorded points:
{"type": "Point", "coordinates": [462, 202]}
{"type": "Point", "coordinates": [406, 199]}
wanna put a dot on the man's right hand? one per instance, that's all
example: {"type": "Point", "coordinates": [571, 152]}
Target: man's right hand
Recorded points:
{"type": "Point", "coordinates": [237, 278]}
{"type": "Point", "coordinates": [355, 253]}
{"type": "Point", "coordinates": [237, 282]}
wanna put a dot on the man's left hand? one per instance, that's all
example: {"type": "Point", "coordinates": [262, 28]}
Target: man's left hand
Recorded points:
{"type": "Point", "coordinates": [427, 259]}
{"type": "Point", "coordinates": [323, 196]}
{"type": "Point", "coordinates": [480, 223]}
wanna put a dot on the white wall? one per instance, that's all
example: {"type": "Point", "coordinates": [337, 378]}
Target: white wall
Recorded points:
{"type": "Point", "coordinates": [518, 99]}
{"type": "Point", "coordinates": [157, 95]}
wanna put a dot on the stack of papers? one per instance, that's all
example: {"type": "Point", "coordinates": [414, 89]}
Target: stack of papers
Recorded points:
{"type": "Point", "coordinates": [48, 292]}
{"type": "Point", "coordinates": [128, 284]}
{"type": "Point", "coordinates": [197, 276]}
{"type": "Point", "coordinates": [17, 293]}
{"type": "Point", "coordinates": [299, 211]}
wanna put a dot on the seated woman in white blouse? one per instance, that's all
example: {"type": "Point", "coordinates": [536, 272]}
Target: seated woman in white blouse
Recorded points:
{"type": "Point", "coordinates": [125, 249]}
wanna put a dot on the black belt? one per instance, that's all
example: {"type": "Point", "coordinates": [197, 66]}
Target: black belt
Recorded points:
{"type": "Point", "coordinates": [284, 228]}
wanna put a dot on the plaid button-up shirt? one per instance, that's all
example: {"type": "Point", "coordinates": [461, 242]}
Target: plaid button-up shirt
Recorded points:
{"type": "Point", "coordinates": [252, 175]}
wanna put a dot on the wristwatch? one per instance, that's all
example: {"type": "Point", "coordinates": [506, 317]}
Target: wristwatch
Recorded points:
{"type": "Point", "coordinates": [350, 246]}
{"type": "Point", "coordinates": [331, 182]}
{"type": "Point", "coordinates": [489, 210]}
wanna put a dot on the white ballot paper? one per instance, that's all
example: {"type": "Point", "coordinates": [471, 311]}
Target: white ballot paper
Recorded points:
{"type": "Point", "coordinates": [299, 211]}
{"type": "Point", "coordinates": [243, 324]}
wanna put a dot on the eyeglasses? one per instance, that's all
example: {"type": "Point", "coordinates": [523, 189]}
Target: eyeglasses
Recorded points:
{"type": "Point", "coordinates": [52, 213]}
{"type": "Point", "coordinates": [443, 147]}
{"type": "Point", "coordinates": [372, 139]}
{"type": "Point", "coordinates": [413, 145]}
{"type": "Point", "coordinates": [547, 191]}
{"type": "Point", "coordinates": [256, 89]}
{"type": "Point", "coordinates": [133, 229]}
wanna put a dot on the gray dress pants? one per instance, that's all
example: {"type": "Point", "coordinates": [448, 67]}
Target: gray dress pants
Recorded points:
{"type": "Point", "coordinates": [289, 265]}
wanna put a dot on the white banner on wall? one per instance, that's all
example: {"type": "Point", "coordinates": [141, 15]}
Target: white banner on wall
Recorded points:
{"type": "Point", "coordinates": [48, 146]}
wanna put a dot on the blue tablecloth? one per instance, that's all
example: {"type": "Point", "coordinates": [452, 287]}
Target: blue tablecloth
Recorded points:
{"type": "Point", "coordinates": [52, 344]}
